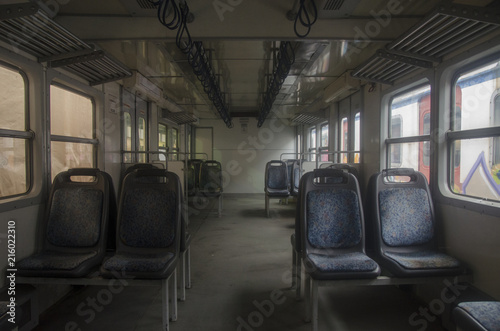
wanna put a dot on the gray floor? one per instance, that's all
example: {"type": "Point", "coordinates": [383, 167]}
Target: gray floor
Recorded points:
{"type": "Point", "coordinates": [240, 264]}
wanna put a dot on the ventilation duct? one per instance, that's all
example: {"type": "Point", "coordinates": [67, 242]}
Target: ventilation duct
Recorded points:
{"type": "Point", "coordinates": [140, 8]}
{"type": "Point", "coordinates": [336, 8]}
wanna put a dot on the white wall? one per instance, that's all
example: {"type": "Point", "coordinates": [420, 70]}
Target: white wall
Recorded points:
{"type": "Point", "coordinates": [244, 154]}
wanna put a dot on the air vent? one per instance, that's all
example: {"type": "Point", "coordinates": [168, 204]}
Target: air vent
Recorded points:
{"type": "Point", "coordinates": [145, 4]}
{"type": "Point", "coordinates": [333, 4]}
{"type": "Point", "coordinates": [336, 8]}
{"type": "Point", "coordinates": [140, 8]}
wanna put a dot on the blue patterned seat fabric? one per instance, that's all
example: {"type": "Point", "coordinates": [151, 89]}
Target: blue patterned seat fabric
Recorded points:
{"type": "Point", "coordinates": [138, 262]}
{"type": "Point", "coordinates": [487, 313]}
{"type": "Point", "coordinates": [55, 261]}
{"type": "Point", "coordinates": [277, 179]}
{"type": "Point", "coordinates": [148, 218]}
{"type": "Point", "coordinates": [75, 217]}
{"type": "Point", "coordinates": [334, 219]}
{"type": "Point", "coordinates": [424, 260]}
{"type": "Point", "coordinates": [343, 263]}
{"type": "Point", "coordinates": [405, 217]}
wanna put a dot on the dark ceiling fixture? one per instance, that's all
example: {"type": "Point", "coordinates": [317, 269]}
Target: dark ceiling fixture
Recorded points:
{"type": "Point", "coordinates": [176, 17]}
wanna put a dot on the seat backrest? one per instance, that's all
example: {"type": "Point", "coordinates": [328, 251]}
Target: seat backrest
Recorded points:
{"type": "Point", "coordinates": [295, 181]}
{"type": "Point", "coordinates": [78, 212]}
{"type": "Point", "coordinates": [211, 177]}
{"type": "Point", "coordinates": [344, 167]}
{"type": "Point", "coordinates": [401, 213]}
{"type": "Point", "coordinates": [149, 212]}
{"type": "Point", "coordinates": [193, 175]}
{"type": "Point", "coordinates": [331, 215]}
{"type": "Point", "coordinates": [289, 168]}
{"type": "Point", "coordinates": [276, 176]}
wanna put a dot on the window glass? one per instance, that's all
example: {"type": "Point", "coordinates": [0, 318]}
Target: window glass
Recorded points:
{"type": "Point", "coordinates": [71, 114]}
{"type": "Point", "coordinates": [344, 139]}
{"type": "Point", "coordinates": [408, 106]}
{"type": "Point", "coordinates": [162, 140]}
{"type": "Point", "coordinates": [71, 118]}
{"type": "Point", "coordinates": [173, 137]}
{"type": "Point", "coordinates": [324, 142]}
{"type": "Point", "coordinates": [14, 167]}
{"type": "Point", "coordinates": [357, 136]}
{"type": "Point", "coordinates": [127, 136]}
{"type": "Point", "coordinates": [141, 130]}
{"type": "Point", "coordinates": [395, 160]}
{"type": "Point", "coordinates": [312, 144]}
{"type": "Point", "coordinates": [66, 155]}
{"type": "Point", "coordinates": [474, 150]}
{"type": "Point", "coordinates": [410, 119]}
{"type": "Point", "coordinates": [12, 100]}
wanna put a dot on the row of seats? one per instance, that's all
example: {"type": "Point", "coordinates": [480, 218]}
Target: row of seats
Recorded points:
{"type": "Point", "coordinates": [204, 179]}
{"type": "Point", "coordinates": [329, 236]}
{"type": "Point", "coordinates": [151, 236]}
{"type": "Point", "coordinates": [281, 180]}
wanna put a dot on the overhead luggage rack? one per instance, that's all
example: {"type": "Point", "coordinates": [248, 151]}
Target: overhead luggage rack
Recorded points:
{"type": "Point", "coordinates": [384, 67]}
{"type": "Point", "coordinates": [179, 118]}
{"type": "Point", "coordinates": [28, 28]}
{"type": "Point", "coordinates": [445, 29]}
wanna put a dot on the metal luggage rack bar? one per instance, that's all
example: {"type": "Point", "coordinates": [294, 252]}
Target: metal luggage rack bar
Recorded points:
{"type": "Point", "coordinates": [385, 68]}
{"type": "Point", "coordinates": [28, 28]}
{"type": "Point", "coordinates": [441, 32]}
{"type": "Point", "coordinates": [448, 27]}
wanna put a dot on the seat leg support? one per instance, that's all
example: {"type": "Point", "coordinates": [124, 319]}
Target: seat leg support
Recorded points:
{"type": "Point", "coordinates": [315, 299]}
{"type": "Point", "coordinates": [307, 295]}
{"type": "Point", "coordinates": [267, 206]}
{"type": "Point", "coordinates": [182, 276]}
{"type": "Point", "coordinates": [294, 269]}
{"type": "Point", "coordinates": [165, 305]}
{"type": "Point", "coordinates": [188, 267]}
{"type": "Point", "coordinates": [298, 276]}
{"type": "Point", "coordinates": [173, 288]}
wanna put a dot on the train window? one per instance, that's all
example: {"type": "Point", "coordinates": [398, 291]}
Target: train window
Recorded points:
{"type": "Point", "coordinates": [357, 136]}
{"type": "Point", "coordinates": [324, 142]}
{"type": "Point", "coordinates": [72, 130]}
{"type": "Point", "coordinates": [395, 154]}
{"type": "Point", "coordinates": [162, 140]}
{"type": "Point", "coordinates": [127, 136]}
{"type": "Point", "coordinates": [474, 136]}
{"type": "Point", "coordinates": [14, 134]}
{"type": "Point", "coordinates": [173, 138]}
{"type": "Point", "coordinates": [408, 141]}
{"type": "Point", "coordinates": [312, 143]}
{"type": "Point", "coordinates": [141, 127]}
{"type": "Point", "coordinates": [344, 139]}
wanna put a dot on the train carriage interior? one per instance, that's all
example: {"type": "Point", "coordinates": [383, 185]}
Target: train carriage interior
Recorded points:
{"type": "Point", "coordinates": [250, 165]}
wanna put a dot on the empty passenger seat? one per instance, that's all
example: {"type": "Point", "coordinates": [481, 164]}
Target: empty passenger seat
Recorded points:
{"type": "Point", "coordinates": [403, 223]}
{"type": "Point", "coordinates": [75, 228]}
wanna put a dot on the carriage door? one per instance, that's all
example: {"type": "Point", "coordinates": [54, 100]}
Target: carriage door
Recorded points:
{"type": "Point", "coordinates": [203, 142]}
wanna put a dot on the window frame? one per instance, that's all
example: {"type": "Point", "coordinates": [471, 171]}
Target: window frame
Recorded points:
{"type": "Point", "coordinates": [452, 135]}
{"type": "Point", "coordinates": [70, 139]}
{"type": "Point", "coordinates": [27, 134]}
{"type": "Point", "coordinates": [310, 148]}
{"type": "Point", "coordinates": [324, 148]}
{"type": "Point", "coordinates": [420, 138]}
